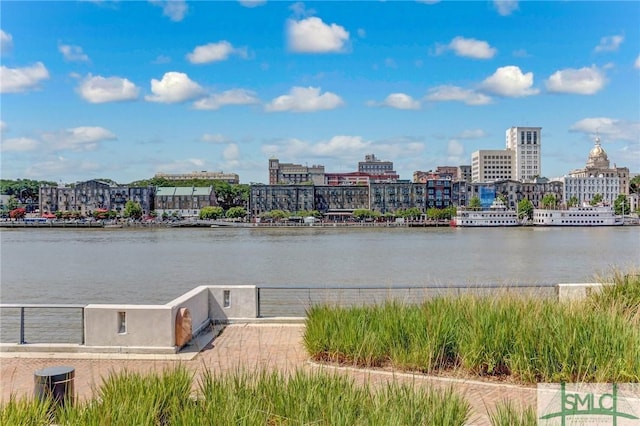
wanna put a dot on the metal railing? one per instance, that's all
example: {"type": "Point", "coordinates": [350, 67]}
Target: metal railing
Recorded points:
{"type": "Point", "coordinates": [292, 300]}
{"type": "Point", "coordinates": [40, 307]}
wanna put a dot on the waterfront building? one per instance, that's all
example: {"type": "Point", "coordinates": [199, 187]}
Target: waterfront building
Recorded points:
{"type": "Point", "coordinates": [375, 166]}
{"type": "Point", "coordinates": [183, 201]}
{"type": "Point", "coordinates": [526, 144]}
{"type": "Point", "coordinates": [89, 196]}
{"type": "Point", "coordinates": [584, 189]}
{"type": "Point", "coordinates": [342, 200]}
{"type": "Point", "coordinates": [289, 173]}
{"type": "Point", "coordinates": [464, 173]}
{"type": "Point", "coordinates": [492, 165]}
{"type": "Point", "coordinates": [598, 165]}
{"type": "Point", "coordinates": [353, 178]}
{"type": "Point", "coordinates": [230, 178]}
{"type": "Point", "coordinates": [288, 198]}
{"type": "Point", "coordinates": [514, 191]}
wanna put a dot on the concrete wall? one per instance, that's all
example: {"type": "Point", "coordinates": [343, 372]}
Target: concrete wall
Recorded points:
{"type": "Point", "coordinates": [242, 302]}
{"type": "Point", "coordinates": [153, 326]}
{"type": "Point", "coordinates": [145, 326]}
{"type": "Point", "coordinates": [197, 302]}
{"type": "Point", "coordinates": [576, 291]}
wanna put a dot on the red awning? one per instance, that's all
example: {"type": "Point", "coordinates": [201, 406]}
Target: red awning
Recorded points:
{"type": "Point", "coordinates": [49, 215]}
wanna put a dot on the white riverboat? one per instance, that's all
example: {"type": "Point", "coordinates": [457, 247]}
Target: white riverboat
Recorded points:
{"type": "Point", "coordinates": [496, 215]}
{"type": "Point", "coordinates": [577, 216]}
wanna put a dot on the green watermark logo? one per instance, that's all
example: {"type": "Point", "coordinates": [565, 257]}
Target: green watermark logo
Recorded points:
{"type": "Point", "coordinates": [589, 404]}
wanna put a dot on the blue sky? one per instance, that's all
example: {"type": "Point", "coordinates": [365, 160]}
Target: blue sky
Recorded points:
{"type": "Point", "coordinates": [126, 89]}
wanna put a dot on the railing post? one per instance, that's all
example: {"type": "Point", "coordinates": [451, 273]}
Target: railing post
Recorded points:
{"type": "Point", "coordinates": [22, 342]}
{"type": "Point", "coordinates": [82, 326]}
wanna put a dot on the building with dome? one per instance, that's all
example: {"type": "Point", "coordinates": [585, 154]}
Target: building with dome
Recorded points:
{"type": "Point", "coordinates": [597, 177]}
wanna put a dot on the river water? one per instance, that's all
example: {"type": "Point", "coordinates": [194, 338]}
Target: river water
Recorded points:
{"type": "Point", "coordinates": [156, 265]}
{"type": "Point", "coordinates": [151, 266]}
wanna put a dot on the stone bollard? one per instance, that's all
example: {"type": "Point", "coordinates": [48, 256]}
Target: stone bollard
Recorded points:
{"type": "Point", "coordinates": [56, 383]}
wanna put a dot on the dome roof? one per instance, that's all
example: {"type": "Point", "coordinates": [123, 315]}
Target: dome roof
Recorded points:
{"type": "Point", "coordinates": [597, 156]}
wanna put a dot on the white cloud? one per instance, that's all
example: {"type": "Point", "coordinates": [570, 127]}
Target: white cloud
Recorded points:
{"type": "Point", "coordinates": [174, 87]}
{"type": "Point", "coordinates": [231, 153]}
{"type": "Point", "coordinates": [215, 138]}
{"type": "Point", "coordinates": [636, 65]}
{"type": "Point", "coordinates": [509, 81]}
{"type": "Point", "coordinates": [505, 7]}
{"type": "Point", "coordinates": [611, 129]}
{"type": "Point", "coordinates": [214, 52]}
{"type": "Point", "coordinates": [73, 53]}
{"type": "Point", "coordinates": [454, 93]}
{"type": "Point", "coordinates": [609, 43]}
{"type": "Point", "coordinates": [472, 134]}
{"type": "Point", "coordinates": [398, 101]}
{"type": "Point", "coordinates": [99, 89]}
{"type": "Point", "coordinates": [343, 149]}
{"type": "Point", "coordinates": [305, 99]}
{"type": "Point", "coordinates": [18, 145]}
{"type": "Point", "coordinates": [228, 97]}
{"type": "Point", "coordinates": [14, 80]}
{"type": "Point", "coordinates": [340, 145]}
{"type": "Point", "coordinates": [583, 81]}
{"type": "Point", "coordinates": [6, 42]}
{"type": "Point", "coordinates": [252, 3]}
{"type": "Point", "coordinates": [472, 48]}
{"type": "Point", "coordinates": [311, 35]}
{"type": "Point", "coordinates": [61, 166]}
{"type": "Point", "coordinates": [182, 166]}
{"type": "Point", "coordinates": [174, 9]}
{"type": "Point", "coordinates": [455, 149]}
{"type": "Point", "coordinates": [3, 126]}
{"type": "Point", "coordinates": [85, 138]}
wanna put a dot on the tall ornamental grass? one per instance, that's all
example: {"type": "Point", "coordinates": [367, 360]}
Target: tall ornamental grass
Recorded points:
{"type": "Point", "coordinates": [506, 413]}
{"type": "Point", "coordinates": [528, 340]}
{"type": "Point", "coordinates": [245, 398]}
{"type": "Point", "coordinates": [23, 411]}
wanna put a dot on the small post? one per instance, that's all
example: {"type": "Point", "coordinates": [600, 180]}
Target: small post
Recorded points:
{"type": "Point", "coordinates": [22, 342]}
{"type": "Point", "coordinates": [82, 326]}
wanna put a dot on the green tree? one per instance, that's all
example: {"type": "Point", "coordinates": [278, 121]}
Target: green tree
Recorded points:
{"type": "Point", "coordinates": [12, 203]}
{"type": "Point", "coordinates": [597, 199]}
{"type": "Point", "coordinates": [525, 209]}
{"type": "Point", "coordinates": [211, 212]}
{"type": "Point", "coordinates": [236, 213]}
{"type": "Point", "coordinates": [362, 214]}
{"type": "Point", "coordinates": [132, 209]}
{"type": "Point", "coordinates": [621, 205]}
{"type": "Point", "coordinates": [503, 198]}
{"type": "Point", "coordinates": [549, 201]}
{"type": "Point", "coordinates": [475, 203]}
{"type": "Point", "coordinates": [573, 201]}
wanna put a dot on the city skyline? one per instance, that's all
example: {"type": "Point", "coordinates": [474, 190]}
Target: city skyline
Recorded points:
{"type": "Point", "coordinates": [125, 90]}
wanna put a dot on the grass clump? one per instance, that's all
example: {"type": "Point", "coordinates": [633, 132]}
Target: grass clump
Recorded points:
{"type": "Point", "coordinates": [25, 411]}
{"type": "Point", "coordinates": [244, 398]}
{"type": "Point", "coordinates": [506, 413]}
{"type": "Point", "coordinates": [526, 340]}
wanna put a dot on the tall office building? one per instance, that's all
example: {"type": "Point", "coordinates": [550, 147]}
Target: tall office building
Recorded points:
{"type": "Point", "coordinates": [492, 165]}
{"type": "Point", "coordinates": [525, 142]}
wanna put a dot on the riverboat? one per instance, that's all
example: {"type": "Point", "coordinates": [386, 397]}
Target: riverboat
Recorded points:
{"type": "Point", "coordinates": [496, 215]}
{"type": "Point", "coordinates": [577, 216]}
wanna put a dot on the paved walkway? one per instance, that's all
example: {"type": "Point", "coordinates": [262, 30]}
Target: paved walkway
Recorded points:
{"type": "Point", "coordinates": [246, 346]}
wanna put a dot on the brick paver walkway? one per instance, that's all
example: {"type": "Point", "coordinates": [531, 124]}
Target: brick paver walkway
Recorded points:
{"type": "Point", "coordinates": [247, 346]}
